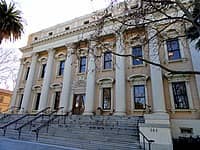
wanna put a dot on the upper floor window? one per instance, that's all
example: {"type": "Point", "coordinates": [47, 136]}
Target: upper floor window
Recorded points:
{"type": "Point", "coordinates": [43, 70]}
{"type": "Point", "coordinates": [139, 96]}
{"type": "Point", "coordinates": [82, 67]}
{"type": "Point", "coordinates": [180, 95]}
{"type": "Point", "coordinates": [106, 98]}
{"type": "Point", "coordinates": [61, 68]}
{"type": "Point", "coordinates": [27, 72]}
{"type": "Point", "coordinates": [107, 64]}
{"type": "Point", "coordinates": [173, 49]}
{"type": "Point", "coordinates": [137, 52]}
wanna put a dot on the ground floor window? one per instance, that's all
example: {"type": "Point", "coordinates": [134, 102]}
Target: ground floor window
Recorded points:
{"type": "Point", "coordinates": [20, 101]}
{"type": "Point", "coordinates": [180, 95]}
{"type": "Point", "coordinates": [57, 100]}
{"type": "Point", "coordinates": [106, 98]}
{"type": "Point", "coordinates": [37, 101]}
{"type": "Point", "coordinates": [139, 96]}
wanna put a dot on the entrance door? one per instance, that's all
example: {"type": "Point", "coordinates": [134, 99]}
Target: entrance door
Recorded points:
{"type": "Point", "coordinates": [78, 104]}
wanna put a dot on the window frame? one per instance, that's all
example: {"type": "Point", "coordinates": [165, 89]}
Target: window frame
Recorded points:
{"type": "Point", "coordinates": [37, 101]}
{"type": "Point", "coordinates": [81, 65]}
{"type": "Point", "coordinates": [138, 79]}
{"type": "Point", "coordinates": [110, 61]}
{"type": "Point", "coordinates": [103, 98]}
{"type": "Point", "coordinates": [172, 49]}
{"type": "Point", "coordinates": [142, 55]}
{"type": "Point", "coordinates": [176, 95]}
{"type": "Point", "coordinates": [61, 68]}
{"type": "Point", "coordinates": [57, 101]}
{"type": "Point", "coordinates": [134, 96]}
{"type": "Point", "coordinates": [179, 78]}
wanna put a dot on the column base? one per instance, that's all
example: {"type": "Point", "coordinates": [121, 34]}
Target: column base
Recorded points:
{"type": "Point", "coordinates": [157, 128]}
{"type": "Point", "coordinates": [119, 113]}
{"type": "Point", "coordinates": [88, 113]}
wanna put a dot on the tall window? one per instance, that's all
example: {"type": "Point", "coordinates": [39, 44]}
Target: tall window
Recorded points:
{"type": "Point", "coordinates": [139, 96]}
{"type": "Point", "coordinates": [57, 100]}
{"type": "Point", "coordinates": [106, 98]}
{"type": "Point", "coordinates": [61, 68]}
{"type": "Point", "coordinates": [180, 95]}
{"type": "Point", "coordinates": [20, 102]}
{"type": "Point", "coordinates": [37, 101]}
{"type": "Point", "coordinates": [27, 72]}
{"type": "Point", "coordinates": [173, 49]}
{"type": "Point", "coordinates": [107, 64]}
{"type": "Point", "coordinates": [82, 67]}
{"type": "Point", "coordinates": [43, 70]}
{"type": "Point", "coordinates": [137, 52]}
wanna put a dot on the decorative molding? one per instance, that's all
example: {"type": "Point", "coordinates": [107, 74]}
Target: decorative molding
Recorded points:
{"type": "Point", "coordinates": [56, 85]}
{"type": "Point", "coordinates": [138, 77]}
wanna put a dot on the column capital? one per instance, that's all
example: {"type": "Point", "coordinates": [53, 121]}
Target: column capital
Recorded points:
{"type": "Point", "coordinates": [70, 45]}
{"type": "Point", "coordinates": [50, 50]}
{"type": "Point", "coordinates": [35, 54]}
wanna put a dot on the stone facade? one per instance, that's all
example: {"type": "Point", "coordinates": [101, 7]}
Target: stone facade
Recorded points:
{"type": "Point", "coordinates": [5, 98]}
{"type": "Point", "coordinates": [59, 68]}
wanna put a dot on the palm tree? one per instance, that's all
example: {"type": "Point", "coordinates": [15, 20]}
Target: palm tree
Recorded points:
{"type": "Point", "coordinates": [11, 22]}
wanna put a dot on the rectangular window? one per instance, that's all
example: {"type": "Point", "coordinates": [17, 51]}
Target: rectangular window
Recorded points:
{"type": "Point", "coordinates": [137, 52]}
{"type": "Point", "coordinates": [27, 72]}
{"type": "Point", "coordinates": [82, 67]}
{"type": "Point", "coordinates": [180, 95]}
{"type": "Point", "coordinates": [43, 70]}
{"type": "Point", "coordinates": [139, 96]}
{"type": "Point", "coordinates": [107, 64]}
{"type": "Point", "coordinates": [20, 102]}
{"type": "Point", "coordinates": [61, 68]}
{"type": "Point", "coordinates": [57, 101]}
{"type": "Point", "coordinates": [106, 98]}
{"type": "Point", "coordinates": [173, 49]}
{"type": "Point", "coordinates": [37, 101]}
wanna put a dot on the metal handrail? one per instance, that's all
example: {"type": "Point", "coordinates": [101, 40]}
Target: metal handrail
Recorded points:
{"type": "Point", "coordinates": [37, 115]}
{"type": "Point", "coordinates": [46, 123]}
{"type": "Point", "coordinates": [4, 127]}
{"type": "Point", "coordinates": [149, 141]}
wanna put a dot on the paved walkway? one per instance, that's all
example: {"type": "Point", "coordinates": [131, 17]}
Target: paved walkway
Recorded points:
{"type": "Point", "coordinates": [9, 144]}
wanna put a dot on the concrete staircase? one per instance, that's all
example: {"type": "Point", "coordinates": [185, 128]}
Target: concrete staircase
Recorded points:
{"type": "Point", "coordinates": [83, 132]}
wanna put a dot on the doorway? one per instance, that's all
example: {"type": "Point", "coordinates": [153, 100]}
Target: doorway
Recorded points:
{"type": "Point", "coordinates": [78, 104]}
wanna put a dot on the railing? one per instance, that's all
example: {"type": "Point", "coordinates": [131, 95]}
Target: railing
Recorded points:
{"type": "Point", "coordinates": [144, 141]}
{"type": "Point", "coordinates": [38, 115]}
{"type": "Point", "coordinates": [4, 127]}
{"type": "Point", "coordinates": [46, 124]}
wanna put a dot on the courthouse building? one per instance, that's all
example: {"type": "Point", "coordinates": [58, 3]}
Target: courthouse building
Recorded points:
{"type": "Point", "coordinates": [62, 67]}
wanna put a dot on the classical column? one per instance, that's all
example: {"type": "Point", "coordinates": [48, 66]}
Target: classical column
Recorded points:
{"type": "Point", "coordinates": [47, 80]}
{"type": "Point", "coordinates": [156, 74]}
{"type": "Point", "coordinates": [67, 80]}
{"type": "Point", "coordinates": [90, 83]}
{"type": "Point", "coordinates": [120, 83]}
{"type": "Point", "coordinates": [195, 55]}
{"type": "Point", "coordinates": [29, 83]}
{"type": "Point", "coordinates": [14, 96]}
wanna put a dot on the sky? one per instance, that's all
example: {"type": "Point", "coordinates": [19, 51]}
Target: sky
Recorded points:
{"type": "Point", "coordinates": [41, 14]}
